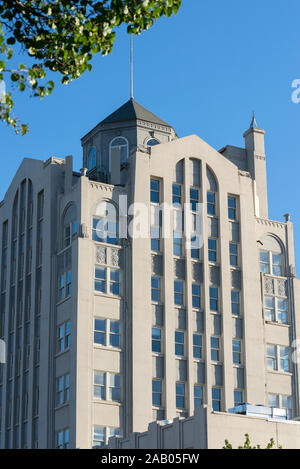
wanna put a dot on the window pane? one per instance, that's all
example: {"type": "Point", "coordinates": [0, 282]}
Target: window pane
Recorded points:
{"type": "Point", "coordinates": [273, 400]}
{"type": "Point", "coordinates": [100, 273]}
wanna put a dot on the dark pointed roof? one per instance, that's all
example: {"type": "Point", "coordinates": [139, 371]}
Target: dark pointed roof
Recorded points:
{"type": "Point", "coordinates": [133, 111]}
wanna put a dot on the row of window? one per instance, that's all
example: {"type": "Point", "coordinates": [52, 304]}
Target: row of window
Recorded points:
{"type": "Point", "coordinates": [179, 340]}
{"type": "Point", "coordinates": [179, 295]}
{"type": "Point", "coordinates": [274, 400]}
{"type": "Point", "coordinates": [117, 142]}
{"type": "Point", "coordinates": [177, 198]}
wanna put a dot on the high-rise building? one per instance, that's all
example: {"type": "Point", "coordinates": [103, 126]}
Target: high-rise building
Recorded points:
{"type": "Point", "coordinates": [105, 333]}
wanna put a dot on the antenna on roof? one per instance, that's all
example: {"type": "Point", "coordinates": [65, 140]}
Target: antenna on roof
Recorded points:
{"type": "Point", "coordinates": [131, 66]}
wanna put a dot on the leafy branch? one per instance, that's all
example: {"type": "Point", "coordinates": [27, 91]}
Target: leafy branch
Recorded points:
{"type": "Point", "coordinates": [63, 36]}
{"type": "Point", "coordinates": [248, 445]}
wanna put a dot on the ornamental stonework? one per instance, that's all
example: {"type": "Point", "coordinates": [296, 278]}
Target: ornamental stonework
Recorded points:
{"type": "Point", "coordinates": [114, 257]}
{"type": "Point", "coordinates": [100, 255]}
{"type": "Point", "coordinates": [269, 285]}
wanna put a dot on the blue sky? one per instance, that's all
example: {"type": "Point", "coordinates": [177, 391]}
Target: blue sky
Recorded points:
{"type": "Point", "coordinates": [203, 71]}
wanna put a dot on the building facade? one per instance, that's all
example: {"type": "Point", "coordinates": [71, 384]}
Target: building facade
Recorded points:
{"type": "Point", "coordinates": [210, 430]}
{"type": "Point", "coordinates": [106, 333]}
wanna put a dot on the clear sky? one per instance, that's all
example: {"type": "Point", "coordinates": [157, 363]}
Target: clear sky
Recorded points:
{"type": "Point", "coordinates": [203, 71]}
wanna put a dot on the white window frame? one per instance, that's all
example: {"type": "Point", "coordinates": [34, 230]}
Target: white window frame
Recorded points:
{"type": "Point", "coordinates": [107, 386]}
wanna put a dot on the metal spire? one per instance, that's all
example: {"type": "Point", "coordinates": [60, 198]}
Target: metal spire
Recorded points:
{"type": "Point", "coordinates": [253, 124]}
{"type": "Point", "coordinates": [131, 67]}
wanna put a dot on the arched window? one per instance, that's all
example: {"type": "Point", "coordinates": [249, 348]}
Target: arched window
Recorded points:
{"type": "Point", "coordinates": [152, 142]}
{"type": "Point", "coordinates": [91, 159]}
{"type": "Point", "coordinates": [122, 144]}
{"type": "Point", "coordinates": [105, 228]}
{"type": "Point", "coordinates": [69, 225]}
{"type": "Point", "coordinates": [212, 189]}
{"type": "Point", "coordinates": [271, 256]}
{"type": "Point", "coordinates": [195, 172]}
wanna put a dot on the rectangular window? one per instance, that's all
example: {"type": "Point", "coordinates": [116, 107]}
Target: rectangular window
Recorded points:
{"type": "Point", "coordinates": [156, 340]}
{"type": "Point", "coordinates": [70, 231]}
{"type": "Point", "coordinates": [195, 252]}
{"type": "Point", "coordinates": [237, 351]}
{"type": "Point", "coordinates": [177, 243]}
{"type": "Point", "coordinates": [273, 400]}
{"type": "Point", "coordinates": [63, 439]}
{"type": "Point", "coordinates": [107, 332]}
{"type": "Point", "coordinates": [64, 285]}
{"type": "Point", "coordinates": [155, 289]}
{"type": "Point", "coordinates": [154, 191]}
{"type": "Point", "coordinates": [180, 395]}
{"type": "Point", "coordinates": [284, 359]}
{"type": "Point", "coordinates": [63, 337]}
{"type": "Point", "coordinates": [100, 385]}
{"type": "Point", "coordinates": [281, 402]}
{"type": "Point", "coordinates": [211, 203]}
{"type": "Point", "coordinates": [178, 292]}
{"type": "Point", "coordinates": [264, 262]}
{"type": "Point", "coordinates": [276, 264]}
{"type": "Point", "coordinates": [114, 390]}
{"type": "Point", "coordinates": [282, 311]}
{"type": "Point", "coordinates": [100, 279]}
{"type": "Point", "coordinates": [99, 437]}
{"type": "Point", "coordinates": [62, 389]}
{"type": "Point", "coordinates": [115, 282]}
{"type": "Point", "coordinates": [157, 392]}
{"type": "Point", "coordinates": [179, 343]}
{"type": "Point", "coordinates": [155, 227]}
{"type": "Point", "coordinates": [272, 357]}
{"type": "Point", "coordinates": [214, 299]}
{"type": "Point", "coordinates": [278, 358]}
{"type": "Point", "coordinates": [61, 287]}
{"type": "Point", "coordinates": [235, 302]}
{"type": "Point", "coordinates": [286, 403]}
{"type": "Point", "coordinates": [67, 335]}
{"type": "Point", "coordinates": [155, 238]}
{"type": "Point", "coordinates": [114, 276]}
{"type": "Point", "coordinates": [114, 334]}
{"type": "Point", "coordinates": [198, 395]}
{"type": "Point", "coordinates": [100, 331]}
{"type": "Point", "coordinates": [176, 194]}
{"type": "Point", "coordinates": [197, 346]}
{"type": "Point", "coordinates": [232, 208]}
{"type": "Point", "coordinates": [107, 386]}
{"type": "Point", "coordinates": [215, 349]}
{"type": "Point", "coordinates": [105, 229]}
{"type": "Point", "coordinates": [216, 399]}
{"type": "Point", "coordinates": [233, 254]}
{"type": "Point", "coordinates": [238, 398]}
{"type": "Point", "coordinates": [269, 308]}
{"type": "Point", "coordinates": [196, 295]}
{"type": "Point", "coordinates": [212, 250]}
{"type": "Point", "coordinates": [194, 199]}
{"type": "Point", "coordinates": [275, 309]}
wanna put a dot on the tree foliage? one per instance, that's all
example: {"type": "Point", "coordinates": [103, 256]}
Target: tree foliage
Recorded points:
{"type": "Point", "coordinates": [62, 36]}
{"type": "Point", "coordinates": [248, 445]}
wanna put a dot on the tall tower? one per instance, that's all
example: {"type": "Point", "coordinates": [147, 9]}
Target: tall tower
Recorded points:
{"type": "Point", "coordinates": [106, 333]}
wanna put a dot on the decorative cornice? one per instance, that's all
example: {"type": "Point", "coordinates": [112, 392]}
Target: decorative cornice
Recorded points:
{"type": "Point", "coordinates": [273, 224]}
{"type": "Point", "coordinates": [106, 187]}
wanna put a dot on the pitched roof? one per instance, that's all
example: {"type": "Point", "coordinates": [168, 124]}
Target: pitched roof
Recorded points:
{"type": "Point", "coordinates": [133, 111]}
